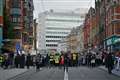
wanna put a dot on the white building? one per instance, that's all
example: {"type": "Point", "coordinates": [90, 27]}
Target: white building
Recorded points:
{"type": "Point", "coordinates": [62, 46]}
{"type": "Point", "coordinates": [54, 26]}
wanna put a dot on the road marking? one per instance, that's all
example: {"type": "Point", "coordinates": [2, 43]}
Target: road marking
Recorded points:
{"type": "Point", "coordinates": [65, 75]}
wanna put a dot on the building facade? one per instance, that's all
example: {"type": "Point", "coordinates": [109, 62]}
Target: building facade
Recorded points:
{"type": "Point", "coordinates": [28, 33]}
{"type": "Point", "coordinates": [102, 26]}
{"type": "Point", "coordinates": [75, 40]}
{"type": "Point", "coordinates": [54, 26]}
{"type": "Point", "coordinates": [62, 46]}
{"type": "Point", "coordinates": [112, 25]}
{"type": "Point", "coordinates": [18, 19]}
{"type": "Point", "coordinates": [1, 23]}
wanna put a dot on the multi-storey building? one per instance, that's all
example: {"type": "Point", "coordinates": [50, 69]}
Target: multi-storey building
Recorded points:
{"type": "Point", "coordinates": [13, 24]}
{"type": "Point", "coordinates": [101, 28]}
{"type": "Point", "coordinates": [72, 41]}
{"type": "Point", "coordinates": [75, 40]}
{"type": "Point", "coordinates": [54, 26]}
{"type": "Point", "coordinates": [27, 34]}
{"type": "Point", "coordinates": [1, 23]}
{"type": "Point", "coordinates": [80, 37]}
{"type": "Point", "coordinates": [113, 25]}
{"type": "Point", "coordinates": [17, 22]}
{"type": "Point", "coordinates": [87, 30]}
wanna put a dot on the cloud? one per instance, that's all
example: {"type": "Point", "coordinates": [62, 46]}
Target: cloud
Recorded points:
{"type": "Point", "coordinates": [43, 5]}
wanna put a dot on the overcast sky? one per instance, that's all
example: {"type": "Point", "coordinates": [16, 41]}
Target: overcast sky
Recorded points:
{"type": "Point", "coordinates": [60, 5]}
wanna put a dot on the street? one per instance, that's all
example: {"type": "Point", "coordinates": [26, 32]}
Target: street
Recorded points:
{"type": "Point", "coordinates": [76, 73]}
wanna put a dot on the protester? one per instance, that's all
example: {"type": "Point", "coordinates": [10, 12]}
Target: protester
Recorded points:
{"type": "Point", "coordinates": [51, 60]}
{"type": "Point", "coordinates": [57, 59]}
{"type": "Point", "coordinates": [110, 62]}
{"type": "Point", "coordinates": [74, 59]}
{"type": "Point", "coordinates": [6, 61]}
{"type": "Point", "coordinates": [28, 61]}
{"type": "Point", "coordinates": [1, 60]}
{"type": "Point", "coordinates": [93, 58]}
{"type": "Point", "coordinates": [47, 60]}
{"type": "Point", "coordinates": [38, 61]}
{"type": "Point", "coordinates": [66, 61]}
{"type": "Point", "coordinates": [17, 61]}
{"type": "Point", "coordinates": [22, 61]}
{"type": "Point", "coordinates": [61, 60]}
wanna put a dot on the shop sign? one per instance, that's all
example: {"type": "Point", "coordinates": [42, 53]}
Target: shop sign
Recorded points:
{"type": "Point", "coordinates": [117, 40]}
{"type": "Point", "coordinates": [112, 40]}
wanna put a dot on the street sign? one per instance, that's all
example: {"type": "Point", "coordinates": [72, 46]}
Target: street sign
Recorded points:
{"type": "Point", "coordinates": [18, 47]}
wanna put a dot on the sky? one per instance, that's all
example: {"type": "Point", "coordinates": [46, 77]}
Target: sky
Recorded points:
{"type": "Point", "coordinates": [60, 5]}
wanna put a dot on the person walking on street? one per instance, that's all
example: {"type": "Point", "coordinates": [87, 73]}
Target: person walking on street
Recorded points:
{"type": "Point", "coordinates": [51, 60]}
{"type": "Point", "coordinates": [22, 61]}
{"type": "Point", "coordinates": [1, 60]}
{"type": "Point", "coordinates": [57, 59]}
{"type": "Point", "coordinates": [6, 62]}
{"type": "Point", "coordinates": [38, 62]}
{"type": "Point", "coordinates": [66, 61]}
{"type": "Point", "coordinates": [28, 61]}
{"type": "Point", "coordinates": [61, 60]}
{"type": "Point", "coordinates": [110, 62]}
{"type": "Point", "coordinates": [17, 61]}
{"type": "Point", "coordinates": [93, 58]}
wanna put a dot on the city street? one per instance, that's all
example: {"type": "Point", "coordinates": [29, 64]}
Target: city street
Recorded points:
{"type": "Point", "coordinates": [78, 73]}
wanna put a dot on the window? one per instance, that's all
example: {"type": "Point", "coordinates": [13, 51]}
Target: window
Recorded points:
{"type": "Point", "coordinates": [16, 19]}
{"type": "Point", "coordinates": [52, 40]}
{"type": "Point", "coordinates": [57, 32]}
{"type": "Point", "coordinates": [51, 45]}
{"type": "Point", "coordinates": [55, 36]}
{"type": "Point", "coordinates": [16, 3]}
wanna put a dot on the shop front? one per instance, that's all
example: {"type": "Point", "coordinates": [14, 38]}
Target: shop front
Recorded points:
{"type": "Point", "coordinates": [112, 44]}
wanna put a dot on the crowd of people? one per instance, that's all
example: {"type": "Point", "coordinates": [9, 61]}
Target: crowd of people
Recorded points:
{"type": "Point", "coordinates": [11, 60]}
{"type": "Point", "coordinates": [90, 59]}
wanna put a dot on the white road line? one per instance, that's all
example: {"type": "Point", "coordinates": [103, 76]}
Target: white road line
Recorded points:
{"type": "Point", "coordinates": [65, 75]}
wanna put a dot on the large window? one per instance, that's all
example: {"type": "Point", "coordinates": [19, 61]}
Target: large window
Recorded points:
{"type": "Point", "coordinates": [16, 19]}
{"type": "Point", "coordinates": [55, 36]}
{"type": "Point", "coordinates": [57, 32]}
{"type": "Point", "coordinates": [16, 11]}
{"type": "Point", "coordinates": [51, 45]}
{"type": "Point", "coordinates": [16, 3]}
{"type": "Point", "coordinates": [52, 40]}
{"type": "Point", "coordinates": [57, 28]}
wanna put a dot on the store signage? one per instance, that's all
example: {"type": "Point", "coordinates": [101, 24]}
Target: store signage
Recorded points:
{"type": "Point", "coordinates": [117, 40]}
{"type": "Point", "coordinates": [112, 40]}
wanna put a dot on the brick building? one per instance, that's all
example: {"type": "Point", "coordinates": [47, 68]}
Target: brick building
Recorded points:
{"type": "Point", "coordinates": [113, 25]}
{"type": "Point", "coordinates": [18, 15]}
{"type": "Point", "coordinates": [1, 23]}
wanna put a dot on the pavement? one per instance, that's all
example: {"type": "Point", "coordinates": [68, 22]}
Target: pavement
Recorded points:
{"type": "Point", "coordinates": [6, 74]}
{"type": "Point", "coordinates": [114, 71]}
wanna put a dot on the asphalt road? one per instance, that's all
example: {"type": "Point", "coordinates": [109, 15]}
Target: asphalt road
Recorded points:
{"type": "Point", "coordinates": [44, 74]}
{"type": "Point", "coordinates": [78, 73]}
{"type": "Point", "coordinates": [85, 73]}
